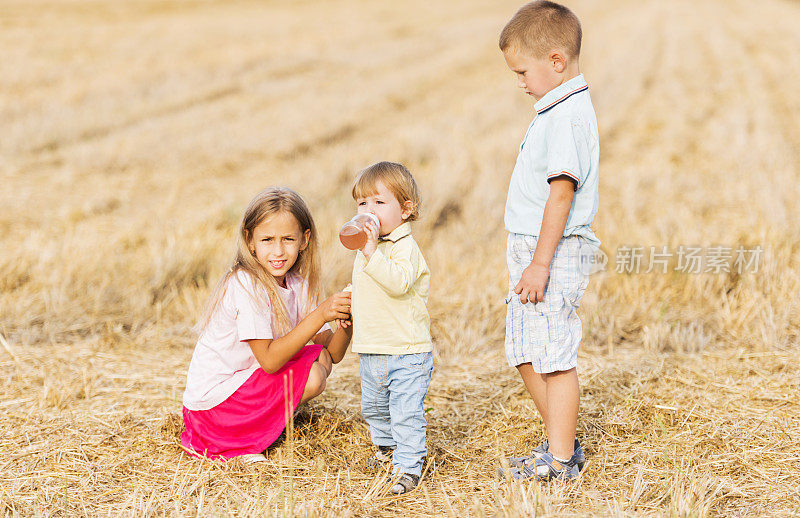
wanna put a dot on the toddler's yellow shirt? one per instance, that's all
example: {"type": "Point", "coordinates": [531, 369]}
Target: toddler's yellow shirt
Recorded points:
{"type": "Point", "coordinates": [390, 292]}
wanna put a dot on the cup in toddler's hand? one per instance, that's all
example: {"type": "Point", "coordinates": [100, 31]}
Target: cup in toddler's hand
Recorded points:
{"type": "Point", "coordinates": [353, 234]}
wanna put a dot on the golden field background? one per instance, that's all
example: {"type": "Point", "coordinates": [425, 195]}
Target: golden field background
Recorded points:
{"type": "Point", "coordinates": [133, 133]}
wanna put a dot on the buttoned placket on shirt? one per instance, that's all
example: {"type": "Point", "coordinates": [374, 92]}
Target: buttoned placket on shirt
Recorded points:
{"type": "Point", "coordinates": [555, 96]}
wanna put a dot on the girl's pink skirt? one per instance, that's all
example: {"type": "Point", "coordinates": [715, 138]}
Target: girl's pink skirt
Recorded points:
{"type": "Point", "coordinates": [254, 416]}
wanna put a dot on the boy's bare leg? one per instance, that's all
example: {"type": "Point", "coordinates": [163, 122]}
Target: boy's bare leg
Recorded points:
{"type": "Point", "coordinates": [563, 398]}
{"type": "Point", "coordinates": [537, 387]}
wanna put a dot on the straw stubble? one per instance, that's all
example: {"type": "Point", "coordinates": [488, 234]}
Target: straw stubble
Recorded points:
{"type": "Point", "coordinates": [134, 133]}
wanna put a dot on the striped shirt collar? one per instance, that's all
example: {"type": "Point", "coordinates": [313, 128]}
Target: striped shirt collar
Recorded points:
{"type": "Point", "coordinates": [561, 93]}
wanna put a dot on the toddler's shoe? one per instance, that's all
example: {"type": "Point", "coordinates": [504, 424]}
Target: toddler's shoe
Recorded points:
{"type": "Point", "coordinates": [405, 483]}
{"type": "Point", "coordinates": [537, 452]}
{"type": "Point", "coordinates": [380, 457]}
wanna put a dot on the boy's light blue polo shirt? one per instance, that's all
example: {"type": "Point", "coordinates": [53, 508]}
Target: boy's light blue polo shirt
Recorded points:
{"type": "Point", "coordinates": [562, 140]}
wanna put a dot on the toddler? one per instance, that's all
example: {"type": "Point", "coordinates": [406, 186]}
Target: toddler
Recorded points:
{"type": "Point", "coordinates": [391, 326]}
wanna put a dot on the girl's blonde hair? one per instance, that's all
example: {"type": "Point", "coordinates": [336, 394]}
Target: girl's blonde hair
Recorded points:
{"type": "Point", "coordinates": [266, 204]}
{"type": "Point", "coordinates": [396, 178]}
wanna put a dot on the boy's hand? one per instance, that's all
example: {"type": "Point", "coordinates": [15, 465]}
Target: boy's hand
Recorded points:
{"type": "Point", "coordinates": [344, 324]}
{"type": "Point", "coordinates": [336, 307]}
{"type": "Point", "coordinates": [372, 239]}
{"type": "Point", "coordinates": [532, 283]}
{"type": "Point", "coordinates": [534, 278]}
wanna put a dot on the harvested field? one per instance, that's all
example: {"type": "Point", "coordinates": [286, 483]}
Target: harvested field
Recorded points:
{"type": "Point", "coordinates": [133, 133]}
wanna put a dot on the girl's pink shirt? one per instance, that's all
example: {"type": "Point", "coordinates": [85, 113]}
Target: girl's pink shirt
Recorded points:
{"type": "Point", "coordinates": [222, 359]}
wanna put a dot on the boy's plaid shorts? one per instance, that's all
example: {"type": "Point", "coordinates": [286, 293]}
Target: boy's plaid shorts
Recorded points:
{"type": "Point", "coordinates": [546, 334]}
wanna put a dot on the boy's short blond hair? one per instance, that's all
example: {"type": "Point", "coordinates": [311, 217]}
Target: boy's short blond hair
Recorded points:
{"type": "Point", "coordinates": [396, 178]}
{"type": "Point", "coordinates": [540, 27]}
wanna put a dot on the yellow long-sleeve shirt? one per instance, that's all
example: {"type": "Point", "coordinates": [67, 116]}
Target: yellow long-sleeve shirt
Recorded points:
{"type": "Point", "coordinates": [390, 292]}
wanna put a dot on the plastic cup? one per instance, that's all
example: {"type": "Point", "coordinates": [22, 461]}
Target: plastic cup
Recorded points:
{"type": "Point", "coordinates": [353, 234]}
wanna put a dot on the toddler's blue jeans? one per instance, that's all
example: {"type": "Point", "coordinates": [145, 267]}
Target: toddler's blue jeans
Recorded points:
{"type": "Point", "coordinates": [393, 388]}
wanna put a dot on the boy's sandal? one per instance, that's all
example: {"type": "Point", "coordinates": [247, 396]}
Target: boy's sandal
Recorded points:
{"type": "Point", "coordinates": [546, 468]}
{"type": "Point", "coordinates": [405, 483]}
{"type": "Point", "coordinates": [518, 462]}
{"type": "Point", "coordinates": [382, 456]}
{"type": "Point", "coordinates": [537, 452]}
{"type": "Point", "coordinates": [549, 468]}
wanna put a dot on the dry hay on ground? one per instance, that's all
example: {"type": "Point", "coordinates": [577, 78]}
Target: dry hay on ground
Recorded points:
{"type": "Point", "coordinates": [133, 134]}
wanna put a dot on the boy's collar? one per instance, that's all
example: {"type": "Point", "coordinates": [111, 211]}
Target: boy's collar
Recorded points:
{"type": "Point", "coordinates": [560, 93]}
{"type": "Point", "coordinates": [400, 232]}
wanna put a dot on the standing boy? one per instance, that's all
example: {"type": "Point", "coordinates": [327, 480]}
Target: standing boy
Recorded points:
{"type": "Point", "coordinates": [552, 200]}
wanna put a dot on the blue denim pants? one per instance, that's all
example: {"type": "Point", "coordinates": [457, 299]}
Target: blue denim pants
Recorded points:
{"type": "Point", "coordinates": [393, 388]}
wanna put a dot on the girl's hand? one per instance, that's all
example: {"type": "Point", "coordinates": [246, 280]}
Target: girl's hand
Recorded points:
{"type": "Point", "coordinates": [348, 323]}
{"type": "Point", "coordinates": [372, 239]}
{"type": "Point", "coordinates": [532, 284]}
{"type": "Point", "coordinates": [336, 307]}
